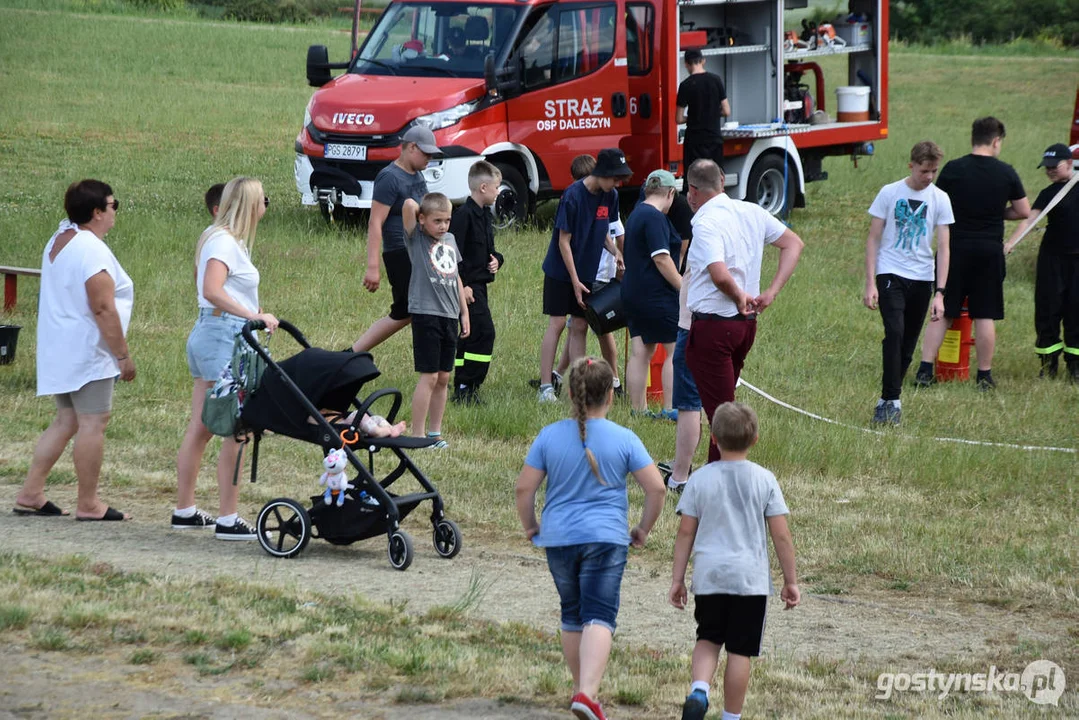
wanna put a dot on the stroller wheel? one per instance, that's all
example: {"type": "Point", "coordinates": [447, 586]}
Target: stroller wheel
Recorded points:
{"type": "Point", "coordinates": [447, 538]}
{"type": "Point", "coordinates": [284, 527]}
{"type": "Point", "coordinates": [400, 550]}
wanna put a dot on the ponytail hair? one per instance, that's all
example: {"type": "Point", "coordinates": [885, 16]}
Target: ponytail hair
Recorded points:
{"type": "Point", "coordinates": [590, 380]}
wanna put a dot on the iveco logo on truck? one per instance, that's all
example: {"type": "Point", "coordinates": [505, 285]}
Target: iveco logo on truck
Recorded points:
{"type": "Point", "coordinates": [353, 119]}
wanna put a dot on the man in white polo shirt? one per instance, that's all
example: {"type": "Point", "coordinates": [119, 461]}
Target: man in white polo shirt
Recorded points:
{"type": "Point", "coordinates": [724, 282]}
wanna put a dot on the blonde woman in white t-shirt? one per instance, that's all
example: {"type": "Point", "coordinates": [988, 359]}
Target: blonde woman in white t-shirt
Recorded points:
{"type": "Point", "coordinates": [227, 283]}
{"type": "Point", "coordinates": [84, 308]}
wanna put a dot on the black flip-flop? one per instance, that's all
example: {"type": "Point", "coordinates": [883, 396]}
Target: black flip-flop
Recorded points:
{"type": "Point", "coordinates": [110, 515]}
{"type": "Point", "coordinates": [46, 510]}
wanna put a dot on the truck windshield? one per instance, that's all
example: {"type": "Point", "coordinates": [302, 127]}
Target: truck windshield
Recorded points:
{"type": "Point", "coordinates": [435, 39]}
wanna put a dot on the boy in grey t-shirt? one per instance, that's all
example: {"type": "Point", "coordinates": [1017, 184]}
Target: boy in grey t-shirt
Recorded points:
{"type": "Point", "coordinates": [435, 301]}
{"type": "Point", "coordinates": [725, 509]}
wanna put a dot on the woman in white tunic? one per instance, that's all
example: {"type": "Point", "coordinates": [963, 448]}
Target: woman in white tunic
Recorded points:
{"type": "Point", "coordinates": [227, 283]}
{"type": "Point", "coordinates": [84, 308]}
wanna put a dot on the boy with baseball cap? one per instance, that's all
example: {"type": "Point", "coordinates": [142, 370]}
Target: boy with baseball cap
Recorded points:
{"type": "Point", "coordinates": [581, 231]}
{"type": "Point", "coordinates": [1056, 284]}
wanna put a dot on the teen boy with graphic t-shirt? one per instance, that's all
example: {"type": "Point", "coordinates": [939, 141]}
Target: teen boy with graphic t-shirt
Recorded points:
{"type": "Point", "coordinates": [899, 267]}
{"type": "Point", "coordinates": [984, 193]}
{"type": "Point", "coordinates": [581, 230]}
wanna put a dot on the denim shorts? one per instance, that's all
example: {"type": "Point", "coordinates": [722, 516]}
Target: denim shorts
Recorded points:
{"type": "Point", "coordinates": [209, 346]}
{"type": "Point", "coordinates": [588, 578]}
{"type": "Point", "coordinates": [684, 395]}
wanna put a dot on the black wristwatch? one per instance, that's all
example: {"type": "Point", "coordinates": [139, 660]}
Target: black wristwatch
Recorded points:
{"type": "Point", "coordinates": [939, 290]}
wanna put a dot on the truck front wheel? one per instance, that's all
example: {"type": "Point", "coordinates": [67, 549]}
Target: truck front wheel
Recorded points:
{"type": "Point", "coordinates": [511, 207]}
{"type": "Point", "coordinates": [768, 187]}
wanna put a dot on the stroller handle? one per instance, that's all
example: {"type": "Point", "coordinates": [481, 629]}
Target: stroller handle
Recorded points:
{"type": "Point", "coordinates": [249, 328]}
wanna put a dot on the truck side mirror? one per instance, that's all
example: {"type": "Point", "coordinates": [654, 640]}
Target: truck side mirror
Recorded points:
{"type": "Point", "coordinates": [318, 66]}
{"type": "Point", "coordinates": [502, 81]}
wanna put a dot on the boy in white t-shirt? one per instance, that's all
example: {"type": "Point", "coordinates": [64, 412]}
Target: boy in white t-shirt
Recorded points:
{"type": "Point", "coordinates": [899, 267]}
{"type": "Point", "coordinates": [728, 510]}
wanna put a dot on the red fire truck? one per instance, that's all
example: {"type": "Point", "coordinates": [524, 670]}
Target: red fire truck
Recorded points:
{"type": "Point", "coordinates": [530, 84]}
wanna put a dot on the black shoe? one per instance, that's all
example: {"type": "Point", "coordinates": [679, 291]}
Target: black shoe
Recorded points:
{"type": "Point", "coordinates": [924, 379]}
{"type": "Point", "coordinates": [887, 413]}
{"type": "Point", "coordinates": [1050, 366]}
{"type": "Point", "coordinates": [239, 530]}
{"type": "Point", "coordinates": [1073, 372]}
{"type": "Point", "coordinates": [985, 383]}
{"type": "Point", "coordinates": [665, 470]}
{"type": "Point", "coordinates": [620, 391]}
{"type": "Point", "coordinates": [464, 395]}
{"type": "Point", "coordinates": [200, 519]}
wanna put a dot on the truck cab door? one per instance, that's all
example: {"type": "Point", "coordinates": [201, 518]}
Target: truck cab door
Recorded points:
{"type": "Point", "coordinates": [647, 102]}
{"type": "Point", "coordinates": [574, 94]}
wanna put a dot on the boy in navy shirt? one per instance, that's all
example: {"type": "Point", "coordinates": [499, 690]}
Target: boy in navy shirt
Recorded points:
{"type": "Point", "coordinates": [581, 231]}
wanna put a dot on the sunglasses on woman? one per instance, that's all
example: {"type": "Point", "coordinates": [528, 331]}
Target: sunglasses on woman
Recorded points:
{"type": "Point", "coordinates": [115, 205]}
{"type": "Point", "coordinates": [265, 201]}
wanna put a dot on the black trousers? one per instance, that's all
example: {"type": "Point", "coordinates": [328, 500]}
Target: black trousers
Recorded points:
{"type": "Point", "coordinates": [902, 304]}
{"type": "Point", "coordinates": [1056, 301]}
{"type": "Point", "coordinates": [474, 351]}
{"type": "Point", "coordinates": [694, 148]}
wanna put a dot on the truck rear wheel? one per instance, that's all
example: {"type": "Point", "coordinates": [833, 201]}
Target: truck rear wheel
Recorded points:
{"type": "Point", "coordinates": [511, 207]}
{"type": "Point", "coordinates": [766, 185]}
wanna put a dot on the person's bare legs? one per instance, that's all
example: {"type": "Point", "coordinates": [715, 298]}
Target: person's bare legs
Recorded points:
{"type": "Point", "coordinates": [687, 437]}
{"type": "Point", "coordinates": [383, 329]}
{"type": "Point", "coordinates": [563, 359]}
{"type": "Point", "coordinates": [667, 376]}
{"type": "Point", "coordinates": [226, 467]}
{"type": "Point", "coordinates": [608, 348]}
{"type": "Point", "coordinates": [578, 337]}
{"type": "Point", "coordinates": [705, 661]}
{"type": "Point", "coordinates": [88, 453]}
{"type": "Point", "coordinates": [555, 326]}
{"type": "Point", "coordinates": [934, 336]}
{"type": "Point", "coordinates": [438, 401]}
{"type": "Point", "coordinates": [595, 649]}
{"type": "Point", "coordinates": [192, 447]}
{"type": "Point", "coordinates": [50, 446]}
{"type": "Point", "coordinates": [735, 683]}
{"type": "Point", "coordinates": [421, 402]}
{"type": "Point", "coordinates": [571, 650]}
{"type": "Point", "coordinates": [637, 372]}
{"type": "Point", "coordinates": [985, 340]}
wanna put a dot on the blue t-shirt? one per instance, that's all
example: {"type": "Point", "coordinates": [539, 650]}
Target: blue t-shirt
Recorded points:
{"type": "Point", "coordinates": [645, 292]}
{"type": "Point", "coordinates": [579, 508]}
{"type": "Point", "coordinates": [586, 217]}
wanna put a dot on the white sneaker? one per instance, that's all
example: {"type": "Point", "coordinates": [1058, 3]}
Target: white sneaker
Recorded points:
{"type": "Point", "coordinates": [546, 394]}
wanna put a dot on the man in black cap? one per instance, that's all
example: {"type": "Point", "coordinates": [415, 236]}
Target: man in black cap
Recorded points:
{"type": "Point", "coordinates": [702, 105]}
{"type": "Point", "coordinates": [984, 193]}
{"type": "Point", "coordinates": [399, 181]}
{"type": "Point", "coordinates": [581, 231]}
{"type": "Point", "coordinates": [1056, 287]}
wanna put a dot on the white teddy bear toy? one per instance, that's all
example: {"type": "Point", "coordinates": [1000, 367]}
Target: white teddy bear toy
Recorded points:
{"type": "Point", "coordinates": [334, 478]}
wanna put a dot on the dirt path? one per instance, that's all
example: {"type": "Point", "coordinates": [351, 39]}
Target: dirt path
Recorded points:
{"type": "Point", "coordinates": [518, 588]}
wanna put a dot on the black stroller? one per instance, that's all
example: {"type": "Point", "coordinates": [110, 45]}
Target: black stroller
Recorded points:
{"type": "Point", "coordinates": [288, 401]}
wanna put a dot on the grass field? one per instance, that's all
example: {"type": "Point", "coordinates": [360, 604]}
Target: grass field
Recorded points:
{"type": "Point", "coordinates": [162, 109]}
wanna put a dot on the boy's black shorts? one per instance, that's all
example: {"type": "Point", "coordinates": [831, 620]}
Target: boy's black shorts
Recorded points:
{"type": "Point", "coordinates": [399, 273]}
{"type": "Point", "coordinates": [434, 343]}
{"type": "Point", "coordinates": [736, 621]}
{"type": "Point", "coordinates": [976, 272]}
{"type": "Point", "coordinates": [558, 298]}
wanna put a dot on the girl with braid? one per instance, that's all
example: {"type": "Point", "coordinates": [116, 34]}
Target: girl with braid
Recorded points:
{"type": "Point", "coordinates": [585, 532]}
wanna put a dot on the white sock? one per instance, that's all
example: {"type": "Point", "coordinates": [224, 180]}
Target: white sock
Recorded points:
{"type": "Point", "coordinates": [880, 402]}
{"type": "Point", "coordinates": [617, 383]}
{"type": "Point", "coordinates": [185, 512]}
{"type": "Point", "coordinates": [898, 405]}
{"type": "Point", "coordinates": [731, 716]}
{"type": "Point", "coordinates": [672, 483]}
{"type": "Point", "coordinates": [700, 685]}
{"type": "Point", "coordinates": [544, 386]}
{"type": "Point", "coordinates": [228, 520]}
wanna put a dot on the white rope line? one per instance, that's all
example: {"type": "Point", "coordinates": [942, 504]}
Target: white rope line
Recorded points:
{"type": "Point", "coordinates": [960, 441]}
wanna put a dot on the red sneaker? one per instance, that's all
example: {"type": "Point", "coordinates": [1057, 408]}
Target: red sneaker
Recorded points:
{"type": "Point", "coordinates": [585, 708]}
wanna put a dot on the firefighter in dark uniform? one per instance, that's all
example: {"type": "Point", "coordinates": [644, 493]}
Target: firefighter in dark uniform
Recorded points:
{"type": "Point", "coordinates": [1056, 285]}
{"type": "Point", "coordinates": [473, 228]}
